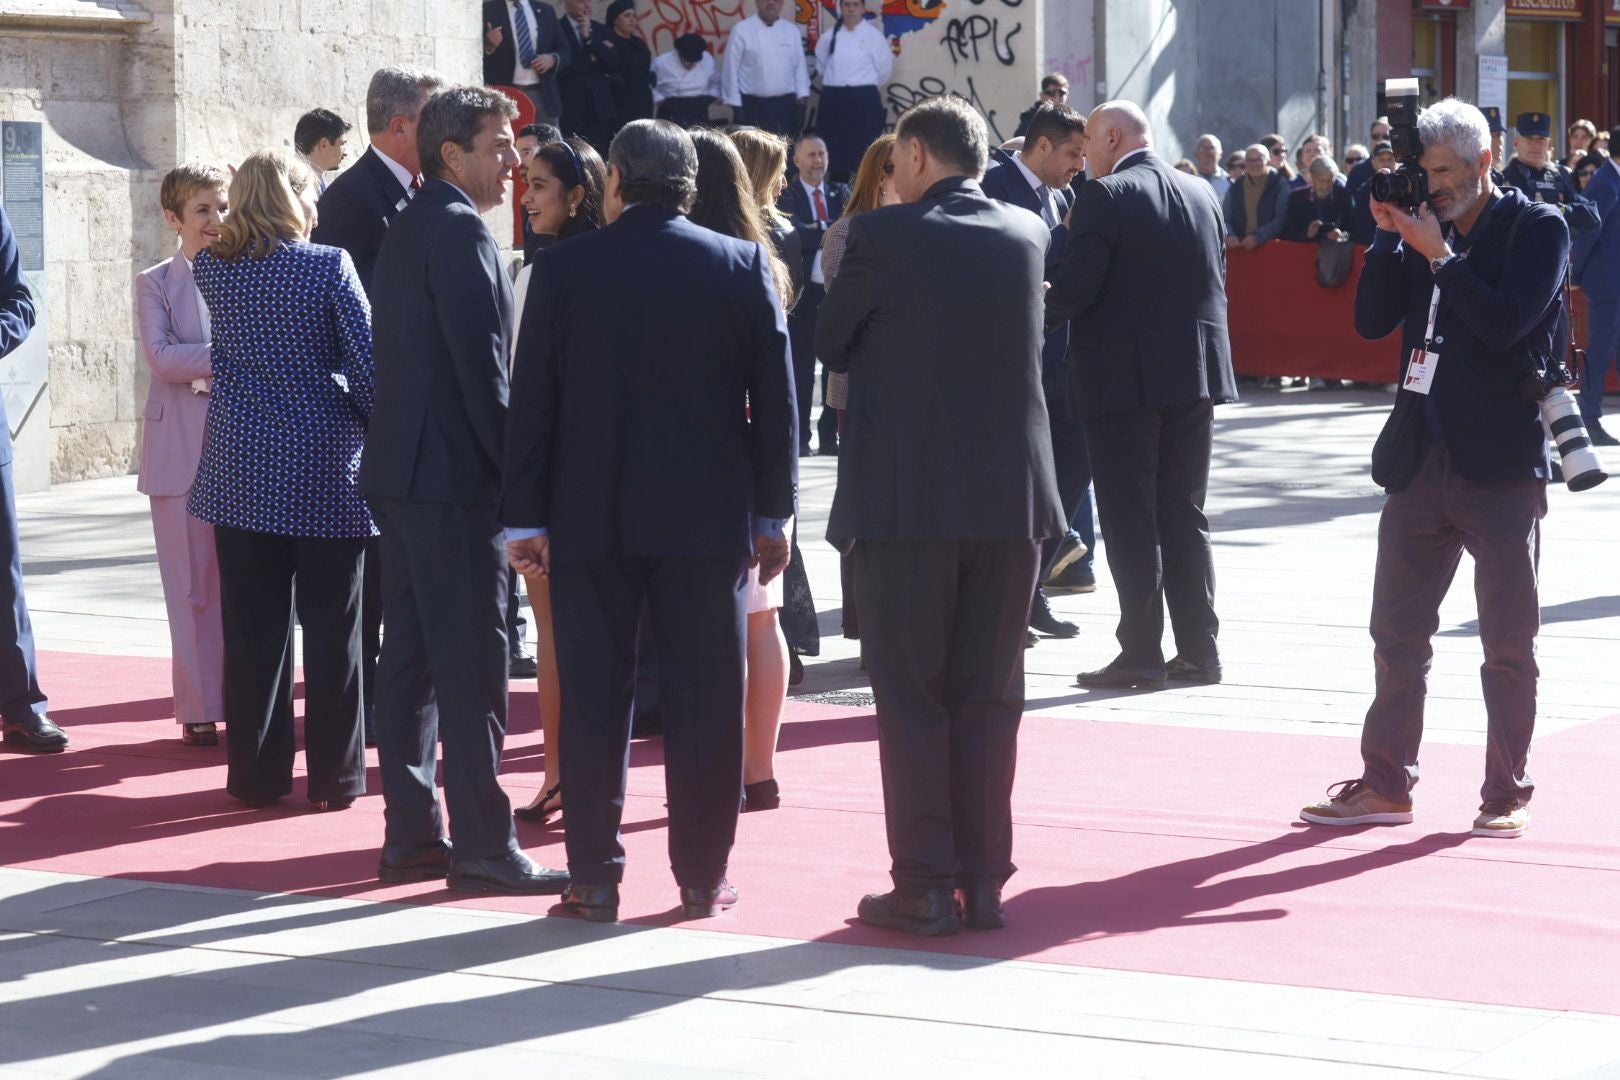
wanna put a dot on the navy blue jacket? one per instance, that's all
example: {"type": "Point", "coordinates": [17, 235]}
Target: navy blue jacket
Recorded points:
{"type": "Point", "coordinates": [1005, 182]}
{"type": "Point", "coordinates": [1496, 313]}
{"type": "Point", "coordinates": [796, 204]}
{"type": "Point", "coordinates": [1303, 208]}
{"type": "Point", "coordinates": [356, 209]}
{"type": "Point", "coordinates": [16, 314]}
{"type": "Point", "coordinates": [657, 435]}
{"type": "Point", "coordinates": [443, 329]}
{"type": "Point", "coordinates": [1597, 251]}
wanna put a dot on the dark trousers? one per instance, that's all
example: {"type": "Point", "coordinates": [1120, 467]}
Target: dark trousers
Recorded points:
{"type": "Point", "coordinates": [688, 112]}
{"type": "Point", "coordinates": [849, 118]}
{"type": "Point", "coordinates": [442, 676]}
{"type": "Point", "coordinates": [515, 623]}
{"type": "Point", "coordinates": [19, 670]}
{"type": "Point", "coordinates": [696, 607]}
{"type": "Point", "coordinates": [802, 340]}
{"type": "Point", "coordinates": [1422, 533]}
{"type": "Point", "coordinates": [263, 581]}
{"type": "Point", "coordinates": [942, 630]}
{"type": "Point", "coordinates": [370, 629]}
{"type": "Point", "coordinates": [1150, 468]}
{"type": "Point", "coordinates": [1602, 340]}
{"type": "Point", "coordinates": [1072, 461]}
{"type": "Point", "coordinates": [779, 114]}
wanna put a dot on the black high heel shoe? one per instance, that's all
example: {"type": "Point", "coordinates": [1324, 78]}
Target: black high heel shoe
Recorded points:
{"type": "Point", "coordinates": [550, 803]}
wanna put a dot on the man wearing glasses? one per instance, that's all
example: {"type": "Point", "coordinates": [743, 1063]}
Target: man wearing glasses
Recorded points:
{"type": "Point", "coordinates": [1054, 91]}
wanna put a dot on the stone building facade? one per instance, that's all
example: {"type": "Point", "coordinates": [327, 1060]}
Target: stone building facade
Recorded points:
{"type": "Point", "coordinates": [124, 89]}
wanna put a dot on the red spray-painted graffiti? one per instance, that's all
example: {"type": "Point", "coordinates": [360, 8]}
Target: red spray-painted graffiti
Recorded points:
{"type": "Point", "coordinates": [669, 19]}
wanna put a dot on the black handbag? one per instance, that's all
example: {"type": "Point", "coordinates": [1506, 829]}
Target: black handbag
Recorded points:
{"type": "Point", "coordinates": [1333, 259]}
{"type": "Point", "coordinates": [1398, 454]}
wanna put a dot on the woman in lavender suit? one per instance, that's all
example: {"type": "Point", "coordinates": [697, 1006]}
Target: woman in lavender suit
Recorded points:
{"type": "Point", "coordinates": [174, 335]}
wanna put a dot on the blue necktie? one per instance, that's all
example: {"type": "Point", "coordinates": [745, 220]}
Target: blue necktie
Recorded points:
{"type": "Point", "coordinates": [525, 36]}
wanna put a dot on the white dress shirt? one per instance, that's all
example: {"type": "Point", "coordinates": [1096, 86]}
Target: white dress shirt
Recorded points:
{"type": "Point", "coordinates": [675, 80]}
{"type": "Point", "coordinates": [401, 173]}
{"type": "Point", "coordinates": [1049, 212]}
{"type": "Point", "coordinates": [764, 61]}
{"type": "Point", "coordinates": [522, 76]}
{"type": "Point", "coordinates": [863, 57]}
{"type": "Point", "coordinates": [200, 386]}
{"type": "Point", "coordinates": [810, 193]}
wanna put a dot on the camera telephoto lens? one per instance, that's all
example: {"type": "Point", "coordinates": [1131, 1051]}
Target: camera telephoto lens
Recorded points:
{"type": "Point", "coordinates": [1583, 469]}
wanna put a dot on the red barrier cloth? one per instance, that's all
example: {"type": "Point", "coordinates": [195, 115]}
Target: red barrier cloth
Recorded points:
{"type": "Point", "coordinates": [1284, 323]}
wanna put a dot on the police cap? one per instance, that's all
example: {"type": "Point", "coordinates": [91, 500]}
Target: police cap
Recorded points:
{"type": "Point", "coordinates": [1531, 124]}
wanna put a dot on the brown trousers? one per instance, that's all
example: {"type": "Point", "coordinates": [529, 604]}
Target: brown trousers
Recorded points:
{"type": "Point", "coordinates": [1422, 534]}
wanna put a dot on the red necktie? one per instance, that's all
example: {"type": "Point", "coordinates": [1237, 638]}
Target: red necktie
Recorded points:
{"type": "Point", "coordinates": [416, 184]}
{"type": "Point", "coordinates": [821, 205]}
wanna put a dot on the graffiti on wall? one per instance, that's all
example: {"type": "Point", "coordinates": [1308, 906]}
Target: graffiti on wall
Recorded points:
{"type": "Point", "coordinates": [713, 19]}
{"type": "Point", "coordinates": [902, 96]}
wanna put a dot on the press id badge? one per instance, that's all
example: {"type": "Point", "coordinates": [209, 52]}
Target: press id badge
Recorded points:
{"type": "Point", "coordinates": [1420, 371]}
{"type": "Point", "coordinates": [1420, 368]}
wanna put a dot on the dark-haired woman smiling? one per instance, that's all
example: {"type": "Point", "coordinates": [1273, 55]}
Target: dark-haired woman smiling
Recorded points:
{"type": "Point", "coordinates": [564, 199]}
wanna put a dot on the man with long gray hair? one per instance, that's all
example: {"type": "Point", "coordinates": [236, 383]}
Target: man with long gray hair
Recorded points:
{"type": "Point", "coordinates": [1473, 280]}
{"type": "Point", "coordinates": [650, 461]}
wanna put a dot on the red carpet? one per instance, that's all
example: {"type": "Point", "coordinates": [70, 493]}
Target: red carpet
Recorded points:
{"type": "Point", "coordinates": [1141, 848]}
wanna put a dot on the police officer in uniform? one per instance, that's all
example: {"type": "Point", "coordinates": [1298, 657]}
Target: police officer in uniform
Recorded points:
{"type": "Point", "coordinates": [1534, 172]}
{"type": "Point", "coordinates": [1493, 117]}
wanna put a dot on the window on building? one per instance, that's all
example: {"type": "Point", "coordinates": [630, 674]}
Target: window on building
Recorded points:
{"type": "Point", "coordinates": [1535, 52]}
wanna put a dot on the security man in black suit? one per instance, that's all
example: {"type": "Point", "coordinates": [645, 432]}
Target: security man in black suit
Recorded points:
{"type": "Point", "coordinates": [356, 209]}
{"type": "Point", "coordinates": [648, 460]}
{"type": "Point", "coordinates": [945, 491]}
{"type": "Point", "coordinates": [587, 95]}
{"type": "Point", "coordinates": [1037, 178]}
{"type": "Point", "coordinates": [812, 202]}
{"type": "Point", "coordinates": [1542, 179]}
{"type": "Point", "coordinates": [1143, 285]}
{"type": "Point", "coordinates": [22, 702]}
{"type": "Point", "coordinates": [524, 47]}
{"type": "Point", "coordinates": [431, 472]}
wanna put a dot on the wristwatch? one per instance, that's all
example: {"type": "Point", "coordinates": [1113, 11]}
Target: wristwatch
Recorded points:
{"type": "Point", "coordinates": [1440, 260]}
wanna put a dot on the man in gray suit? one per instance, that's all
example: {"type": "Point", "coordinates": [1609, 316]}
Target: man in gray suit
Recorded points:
{"type": "Point", "coordinates": [431, 471]}
{"type": "Point", "coordinates": [946, 489]}
{"type": "Point", "coordinates": [1143, 286]}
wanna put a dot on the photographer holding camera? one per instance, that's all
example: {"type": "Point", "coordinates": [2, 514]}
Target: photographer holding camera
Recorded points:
{"type": "Point", "coordinates": [1472, 275]}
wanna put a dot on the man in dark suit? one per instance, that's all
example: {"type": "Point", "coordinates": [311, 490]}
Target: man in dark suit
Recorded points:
{"type": "Point", "coordinates": [524, 47]}
{"type": "Point", "coordinates": [1143, 284]}
{"type": "Point", "coordinates": [946, 489]}
{"type": "Point", "coordinates": [22, 702]}
{"type": "Point", "coordinates": [648, 460]}
{"type": "Point", "coordinates": [356, 209]}
{"type": "Point", "coordinates": [431, 472]}
{"type": "Point", "coordinates": [813, 202]}
{"type": "Point", "coordinates": [587, 95]}
{"type": "Point", "coordinates": [1037, 178]}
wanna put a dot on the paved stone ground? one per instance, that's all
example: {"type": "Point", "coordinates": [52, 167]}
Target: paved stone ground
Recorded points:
{"type": "Point", "coordinates": [122, 978]}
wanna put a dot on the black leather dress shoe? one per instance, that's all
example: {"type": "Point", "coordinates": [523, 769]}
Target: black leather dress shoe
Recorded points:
{"type": "Point", "coordinates": [1203, 672]}
{"type": "Point", "coordinates": [980, 901]}
{"type": "Point", "coordinates": [930, 915]}
{"type": "Point", "coordinates": [765, 795]}
{"type": "Point", "coordinates": [707, 903]}
{"type": "Point", "coordinates": [1117, 676]}
{"type": "Point", "coordinates": [1599, 437]}
{"type": "Point", "coordinates": [593, 903]}
{"type": "Point", "coordinates": [35, 733]}
{"type": "Point", "coordinates": [522, 666]}
{"type": "Point", "coordinates": [413, 862]}
{"type": "Point", "coordinates": [1042, 620]}
{"type": "Point", "coordinates": [516, 873]}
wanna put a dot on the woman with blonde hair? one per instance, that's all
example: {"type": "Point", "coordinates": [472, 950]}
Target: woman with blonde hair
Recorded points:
{"type": "Point", "coordinates": [765, 156]}
{"type": "Point", "coordinates": [291, 397]}
{"type": "Point", "coordinates": [174, 336]}
{"type": "Point", "coordinates": [727, 203]}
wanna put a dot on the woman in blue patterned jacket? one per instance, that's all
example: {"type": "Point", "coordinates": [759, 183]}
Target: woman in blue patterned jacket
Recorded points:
{"type": "Point", "coordinates": [292, 394]}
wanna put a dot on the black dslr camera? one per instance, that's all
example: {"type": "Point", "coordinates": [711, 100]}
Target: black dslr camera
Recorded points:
{"type": "Point", "coordinates": [1408, 185]}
